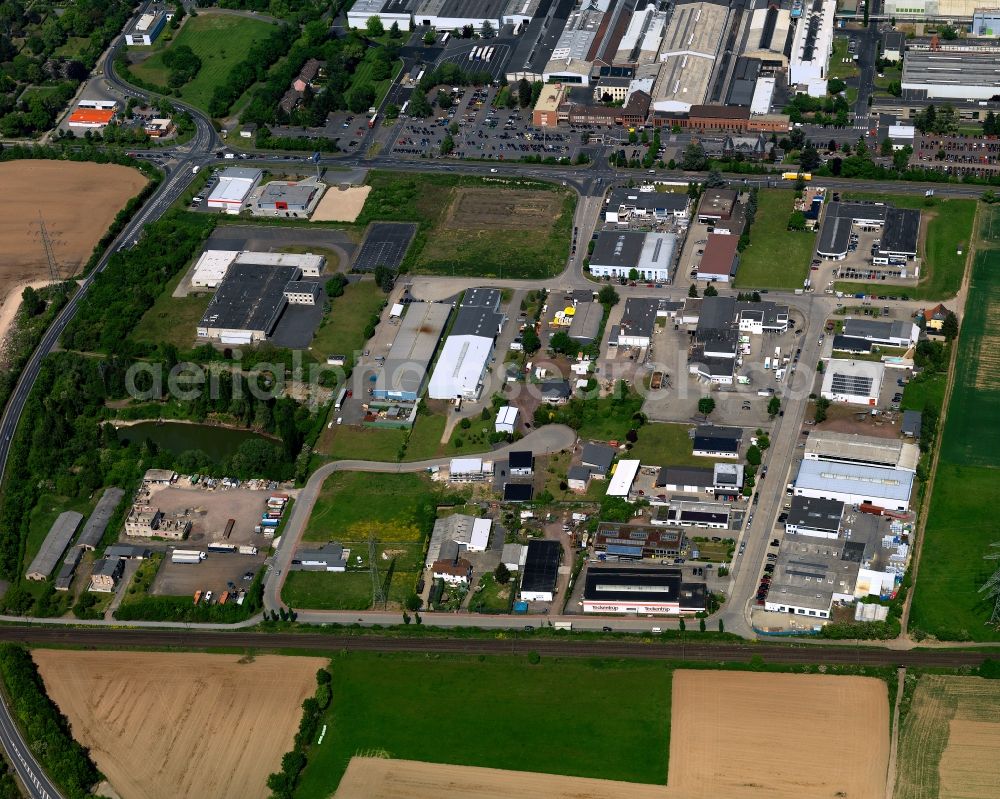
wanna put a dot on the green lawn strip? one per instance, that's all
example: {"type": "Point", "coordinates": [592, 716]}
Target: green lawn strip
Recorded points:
{"type": "Point", "coordinates": [924, 392]}
{"type": "Point", "coordinates": [344, 442]}
{"type": "Point", "coordinates": [221, 41]}
{"type": "Point", "coordinates": [838, 68]}
{"type": "Point", "coordinates": [777, 257]}
{"type": "Point", "coordinates": [350, 590]}
{"type": "Point", "coordinates": [943, 266]}
{"type": "Point", "coordinates": [351, 504]}
{"type": "Point", "coordinates": [425, 437]}
{"type": "Point", "coordinates": [173, 320]}
{"type": "Point", "coordinates": [960, 528]}
{"type": "Point", "coordinates": [662, 444]}
{"type": "Point", "coordinates": [491, 597]}
{"type": "Point", "coordinates": [342, 331]}
{"type": "Point", "coordinates": [565, 714]}
{"type": "Point", "coordinates": [972, 434]}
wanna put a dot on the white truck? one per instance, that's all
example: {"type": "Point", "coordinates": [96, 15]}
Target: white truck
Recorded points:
{"type": "Point", "coordinates": [247, 550]}
{"type": "Point", "coordinates": [187, 556]}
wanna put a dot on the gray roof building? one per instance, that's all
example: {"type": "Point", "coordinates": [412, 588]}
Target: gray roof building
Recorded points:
{"type": "Point", "coordinates": [586, 322]}
{"type": "Point", "coordinates": [941, 75]}
{"type": "Point", "coordinates": [898, 331]}
{"type": "Point", "coordinates": [54, 545]}
{"type": "Point", "coordinates": [698, 476]}
{"type": "Point", "coordinates": [618, 248]}
{"type": "Point", "coordinates": [479, 314]}
{"type": "Point", "coordinates": [581, 473]}
{"type": "Point", "coordinates": [598, 457]}
{"type": "Point", "coordinates": [639, 317]}
{"type": "Point", "coordinates": [407, 364]}
{"type": "Point", "coordinates": [64, 579]}
{"type": "Point", "coordinates": [128, 551]}
{"type": "Point", "coordinates": [912, 424]}
{"type": "Point", "coordinates": [93, 530]}
{"type": "Point", "coordinates": [248, 301]}
{"type": "Point", "coordinates": [814, 513]}
{"type": "Point", "coordinates": [902, 229]}
{"type": "Point", "coordinates": [328, 557]}
{"type": "Point", "coordinates": [538, 40]}
{"type": "Point", "coordinates": [744, 81]}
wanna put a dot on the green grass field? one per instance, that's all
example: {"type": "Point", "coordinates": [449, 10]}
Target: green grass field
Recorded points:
{"type": "Point", "coordinates": [962, 522]}
{"type": "Point", "coordinates": [666, 445]}
{"type": "Point", "coordinates": [558, 716]}
{"type": "Point", "coordinates": [924, 392]}
{"type": "Point", "coordinates": [777, 258]}
{"type": "Point", "coordinates": [173, 320]}
{"type": "Point", "coordinates": [342, 331]}
{"type": "Point", "coordinates": [949, 230]}
{"type": "Point", "coordinates": [220, 41]}
{"type": "Point", "coordinates": [538, 251]}
{"type": "Point", "coordinates": [838, 68]}
{"type": "Point", "coordinates": [343, 442]}
{"type": "Point", "coordinates": [389, 507]}
{"type": "Point", "coordinates": [351, 590]}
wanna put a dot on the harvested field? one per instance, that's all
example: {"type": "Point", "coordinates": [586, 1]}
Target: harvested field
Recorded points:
{"type": "Point", "coordinates": [56, 191]}
{"type": "Point", "coordinates": [745, 734]}
{"type": "Point", "coordinates": [949, 740]}
{"type": "Point", "coordinates": [341, 205]}
{"type": "Point", "coordinates": [381, 778]}
{"type": "Point", "coordinates": [168, 726]}
{"type": "Point", "coordinates": [483, 209]}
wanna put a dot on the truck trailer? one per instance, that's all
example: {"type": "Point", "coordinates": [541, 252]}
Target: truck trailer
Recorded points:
{"type": "Point", "coordinates": [187, 556]}
{"type": "Point", "coordinates": [247, 550]}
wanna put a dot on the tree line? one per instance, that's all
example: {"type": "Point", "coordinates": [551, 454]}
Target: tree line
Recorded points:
{"type": "Point", "coordinates": [282, 783]}
{"type": "Point", "coordinates": [46, 730]}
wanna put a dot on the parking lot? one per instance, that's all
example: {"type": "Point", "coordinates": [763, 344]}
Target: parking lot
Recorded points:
{"type": "Point", "coordinates": [217, 573]}
{"type": "Point", "coordinates": [385, 245]}
{"type": "Point", "coordinates": [482, 131]}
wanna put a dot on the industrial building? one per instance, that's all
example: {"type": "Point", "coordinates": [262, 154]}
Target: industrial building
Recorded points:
{"type": "Point", "coordinates": [97, 523]}
{"type": "Point", "coordinates": [621, 481]}
{"type": "Point", "coordinates": [811, 575]}
{"type": "Point", "coordinates": [637, 323]}
{"type": "Point", "coordinates": [815, 517]}
{"type": "Point", "coordinates": [687, 513]}
{"type": "Point", "coordinates": [626, 206]}
{"type": "Point", "coordinates": [212, 265]}
{"type": "Point", "coordinates": [54, 546]}
{"type": "Point", "coordinates": [717, 442]}
{"type": "Point", "coordinates": [457, 533]}
{"type": "Point", "coordinates": [963, 10]}
{"type": "Point", "coordinates": [538, 40]}
{"type": "Point", "coordinates": [716, 205]}
{"type": "Point", "coordinates": [720, 260]}
{"type": "Point", "coordinates": [900, 231]}
{"type": "Point", "coordinates": [329, 557]}
{"type": "Point", "coordinates": [586, 324]}
{"type": "Point", "coordinates": [461, 368]}
{"type": "Point", "coordinates": [898, 333]}
{"type": "Point", "coordinates": [855, 484]}
{"type": "Point", "coordinates": [631, 542]}
{"type": "Point", "coordinates": [146, 29]}
{"type": "Point", "coordinates": [399, 12]}
{"type": "Point", "coordinates": [618, 252]}
{"type": "Point", "coordinates": [287, 198]}
{"type": "Point", "coordinates": [812, 47]}
{"type": "Point", "coordinates": [64, 580]}
{"type": "Point", "coordinates": [91, 118]}
{"type": "Point", "coordinates": [639, 590]}
{"type": "Point", "coordinates": [540, 570]}
{"type": "Point", "coordinates": [852, 382]}
{"type": "Point", "coordinates": [407, 364]}
{"type": "Point", "coordinates": [571, 60]}
{"type": "Point", "coordinates": [232, 189]}
{"type": "Point", "coordinates": [890, 453]}
{"type": "Point", "coordinates": [950, 75]}
{"type": "Point", "coordinates": [248, 304]}
{"type": "Point", "coordinates": [688, 55]}
{"type": "Point", "coordinates": [770, 31]}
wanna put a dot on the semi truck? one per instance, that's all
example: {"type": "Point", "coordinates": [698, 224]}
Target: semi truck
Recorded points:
{"type": "Point", "coordinates": [187, 556]}
{"type": "Point", "coordinates": [219, 546]}
{"type": "Point", "coordinates": [247, 550]}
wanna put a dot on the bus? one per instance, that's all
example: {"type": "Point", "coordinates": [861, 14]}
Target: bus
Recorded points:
{"type": "Point", "coordinates": [767, 364]}
{"type": "Point", "coordinates": [489, 53]}
{"type": "Point", "coordinates": [402, 111]}
{"type": "Point", "coordinates": [340, 398]}
{"type": "Point", "coordinates": [796, 175]}
{"type": "Point", "coordinates": [444, 38]}
{"type": "Point", "coordinates": [472, 52]}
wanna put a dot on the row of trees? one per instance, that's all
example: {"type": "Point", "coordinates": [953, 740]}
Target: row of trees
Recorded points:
{"type": "Point", "coordinates": [46, 730]}
{"type": "Point", "coordinates": [282, 783]}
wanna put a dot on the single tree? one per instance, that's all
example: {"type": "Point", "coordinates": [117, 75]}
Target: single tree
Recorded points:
{"type": "Point", "coordinates": [773, 407]}
{"type": "Point", "coordinates": [487, 31]}
{"type": "Point", "coordinates": [753, 455]}
{"type": "Point", "coordinates": [429, 38]}
{"type": "Point", "coordinates": [822, 404]}
{"type": "Point", "coordinates": [374, 26]}
{"type": "Point", "coordinates": [394, 31]}
{"type": "Point", "coordinates": [949, 328]}
{"type": "Point", "coordinates": [608, 296]}
{"type": "Point", "coordinates": [706, 405]}
{"type": "Point", "coordinates": [523, 93]}
{"type": "Point", "coordinates": [501, 574]}
{"type": "Point", "coordinates": [711, 291]}
{"type": "Point", "coordinates": [693, 290]}
{"type": "Point", "coordinates": [715, 180]}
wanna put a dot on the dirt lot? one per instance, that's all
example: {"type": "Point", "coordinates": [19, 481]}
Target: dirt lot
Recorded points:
{"type": "Point", "coordinates": [854, 419]}
{"type": "Point", "coordinates": [378, 778]}
{"type": "Point", "coordinates": [475, 209]}
{"type": "Point", "coordinates": [341, 205]}
{"type": "Point", "coordinates": [949, 740]}
{"type": "Point", "coordinates": [166, 726]}
{"type": "Point", "coordinates": [56, 191]}
{"type": "Point", "coordinates": [210, 510]}
{"type": "Point", "coordinates": [744, 734]}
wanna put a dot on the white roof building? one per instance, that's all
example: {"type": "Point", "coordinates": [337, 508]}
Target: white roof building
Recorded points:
{"type": "Point", "coordinates": [506, 419]}
{"type": "Point", "coordinates": [234, 186]}
{"type": "Point", "coordinates": [460, 368]}
{"type": "Point", "coordinates": [853, 382]}
{"type": "Point", "coordinates": [621, 482]}
{"type": "Point", "coordinates": [812, 48]}
{"type": "Point", "coordinates": [311, 264]}
{"type": "Point", "coordinates": [211, 267]}
{"type": "Point", "coordinates": [854, 484]}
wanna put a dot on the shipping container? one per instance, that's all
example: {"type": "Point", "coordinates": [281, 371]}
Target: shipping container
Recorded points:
{"type": "Point", "coordinates": [247, 550]}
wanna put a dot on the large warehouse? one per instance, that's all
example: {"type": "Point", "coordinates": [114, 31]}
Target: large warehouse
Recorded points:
{"type": "Point", "coordinates": [405, 368]}
{"type": "Point", "coordinates": [54, 545]}
{"type": "Point", "coordinates": [688, 56]}
{"type": "Point", "coordinates": [639, 590]}
{"type": "Point", "coordinates": [465, 357]}
{"type": "Point", "coordinates": [234, 186]}
{"type": "Point", "coordinates": [211, 267]}
{"type": "Point", "coordinates": [950, 75]}
{"type": "Point", "coordinates": [617, 253]}
{"type": "Point", "coordinates": [890, 453]}
{"type": "Point", "coordinates": [900, 231]}
{"type": "Point", "coordinates": [399, 12]}
{"type": "Point", "coordinates": [287, 198]}
{"type": "Point", "coordinates": [248, 304]}
{"type": "Point", "coordinates": [812, 47]}
{"type": "Point", "coordinates": [855, 484]}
